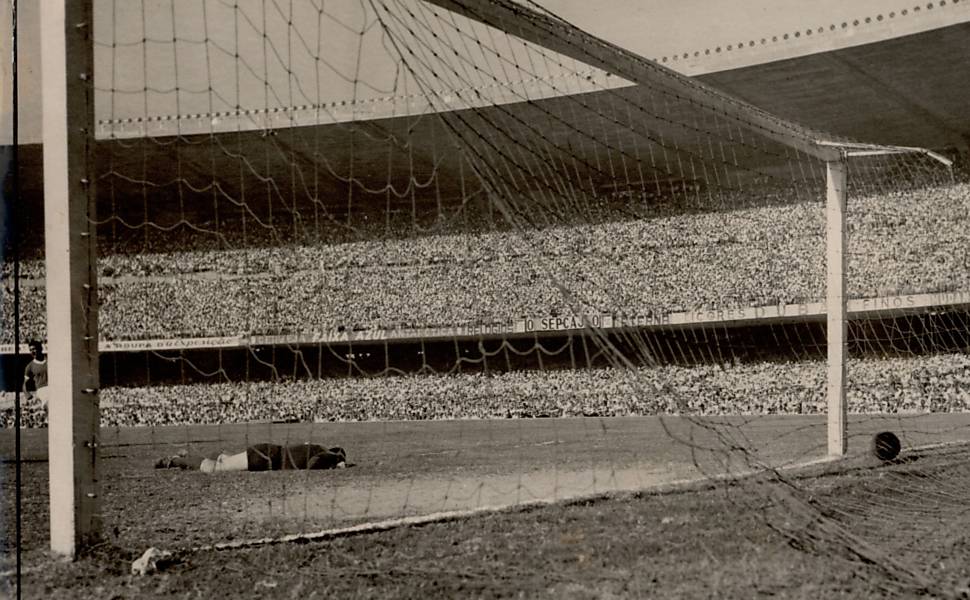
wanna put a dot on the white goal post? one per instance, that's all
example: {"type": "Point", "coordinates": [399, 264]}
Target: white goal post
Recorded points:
{"type": "Point", "coordinates": [836, 299]}
{"type": "Point", "coordinates": [835, 304]}
{"type": "Point", "coordinates": [71, 266]}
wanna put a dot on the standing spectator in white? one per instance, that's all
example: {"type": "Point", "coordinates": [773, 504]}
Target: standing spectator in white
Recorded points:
{"type": "Point", "coordinates": [35, 375]}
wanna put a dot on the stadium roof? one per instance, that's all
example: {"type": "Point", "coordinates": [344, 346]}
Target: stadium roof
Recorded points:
{"type": "Point", "coordinates": [895, 90]}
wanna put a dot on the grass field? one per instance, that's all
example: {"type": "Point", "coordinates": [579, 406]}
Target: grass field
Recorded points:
{"type": "Point", "coordinates": [625, 523]}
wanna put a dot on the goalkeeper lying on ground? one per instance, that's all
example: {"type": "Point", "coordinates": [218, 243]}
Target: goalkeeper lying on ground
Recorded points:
{"type": "Point", "coordinates": [262, 457]}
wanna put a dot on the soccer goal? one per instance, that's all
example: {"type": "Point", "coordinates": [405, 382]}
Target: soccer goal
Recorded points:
{"type": "Point", "coordinates": [498, 261]}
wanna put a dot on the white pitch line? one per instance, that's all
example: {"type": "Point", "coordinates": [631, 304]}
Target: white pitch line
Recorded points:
{"type": "Point", "coordinates": [443, 516]}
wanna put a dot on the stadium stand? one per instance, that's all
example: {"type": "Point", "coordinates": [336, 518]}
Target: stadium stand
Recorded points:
{"type": "Point", "coordinates": [908, 241]}
{"type": "Point", "coordinates": [900, 385]}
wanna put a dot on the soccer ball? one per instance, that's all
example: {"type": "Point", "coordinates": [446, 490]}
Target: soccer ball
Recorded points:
{"type": "Point", "coordinates": [885, 446]}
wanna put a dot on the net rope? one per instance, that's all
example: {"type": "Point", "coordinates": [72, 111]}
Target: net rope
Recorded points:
{"type": "Point", "coordinates": [386, 225]}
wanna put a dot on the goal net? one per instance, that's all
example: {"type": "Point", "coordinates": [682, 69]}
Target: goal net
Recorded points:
{"type": "Point", "coordinates": [500, 262]}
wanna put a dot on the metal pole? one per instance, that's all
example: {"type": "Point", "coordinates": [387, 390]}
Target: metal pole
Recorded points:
{"type": "Point", "coordinates": [71, 262]}
{"type": "Point", "coordinates": [835, 261]}
{"type": "Point", "coordinates": [15, 235]}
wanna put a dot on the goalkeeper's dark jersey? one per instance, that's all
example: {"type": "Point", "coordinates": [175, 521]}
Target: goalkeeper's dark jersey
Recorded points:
{"type": "Point", "coordinates": [272, 457]}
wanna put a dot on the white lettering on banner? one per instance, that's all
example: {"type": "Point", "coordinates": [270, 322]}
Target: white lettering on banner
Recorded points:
{"type": "Point", "coordinates": [888, 304]}
{"type": "Point", "coordinates": [944, 298]}
{"type": "Point", "coordinates": [171, 344]}
{"type": "Point", "coordinates": [727, 314]}
{"type": "Point", "coordinates": [894, 302]}
{"type": "Point", "coordinates": [341, 335]}
{"type": "Point", "coordinates": [649, 319]}
{"type": "Point", "coordinates": [480, 329]}
{"type": "Point", "coordinates": [566, 323]}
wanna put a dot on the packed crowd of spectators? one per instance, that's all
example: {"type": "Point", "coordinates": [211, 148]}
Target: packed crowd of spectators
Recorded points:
{"type": "Point", "coordinates": [934, 383]}
{"type": "Point", "coordinates": [908, 241]}
{"type": "Point", "coordinates": [31, 413]}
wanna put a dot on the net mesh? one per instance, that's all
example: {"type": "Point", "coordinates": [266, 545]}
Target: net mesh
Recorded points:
{"type": "Point", "coordinates": [411, 232]}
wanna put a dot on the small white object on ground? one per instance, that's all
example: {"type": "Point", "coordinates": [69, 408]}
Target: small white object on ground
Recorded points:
{"type": "Point", "coordinates": [148, 563]}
